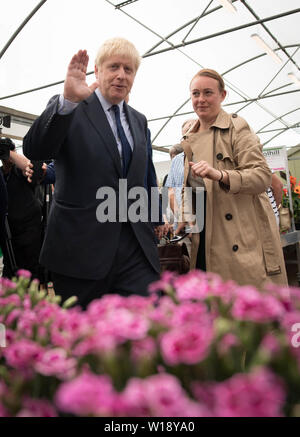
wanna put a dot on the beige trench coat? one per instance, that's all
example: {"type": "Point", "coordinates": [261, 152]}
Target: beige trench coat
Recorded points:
{"type": "Point", "coordinates": [241, 235]}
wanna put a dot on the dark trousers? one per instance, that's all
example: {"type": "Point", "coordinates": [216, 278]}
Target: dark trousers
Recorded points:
{"type": "Point", "coordinates": [201, 257]}
{"type": "Point", "coordinates": [131, 273]}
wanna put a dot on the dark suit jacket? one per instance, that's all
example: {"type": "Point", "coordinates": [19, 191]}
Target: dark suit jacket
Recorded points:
{"type": "Point", "coordinates": [87, 158]}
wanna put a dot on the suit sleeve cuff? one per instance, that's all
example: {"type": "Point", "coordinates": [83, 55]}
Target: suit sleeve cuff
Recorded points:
{"type": "Point", "coordinates": [65, 106]}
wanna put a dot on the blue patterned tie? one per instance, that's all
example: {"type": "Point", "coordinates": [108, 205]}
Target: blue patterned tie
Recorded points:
{"type": "Point", "coordinates": [126, 149]}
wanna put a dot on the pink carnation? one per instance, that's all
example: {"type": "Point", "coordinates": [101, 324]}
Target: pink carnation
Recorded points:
{"type": "Point", "coordinates": [271, 344]}
{"type": "Point", "coordinates": [252, 305]}
{"type": "Point", "coordinates": [194, 285]}
{"type": "Point", "coordinates": [36, 408]}
{"type": "Point", "coordinates": [227, 342]}
{"type": "Point", "coordinates": [159, 396]}
{"type": "Point", "coordinates": [23, 354]}
{"type": "Point", "coordinates": [5, 285]}
{"type": "Point", "coordinates": [143, 349]}
{"type": "Point", "coordinates": [55, 362]}
{"type": "Point", "coordinates": [163, 313]}
{"type": "Point", "coordinates": [3, 411]}
{"type": "Point", "coordinates": [24, 273]}
{"type": "Point", "coordinates": [164, 284]}
{"type": "Point", "coordinates": [88, 394]}
{"type": "Point", "coordinates": [259, 394]}
{"type": "Point", "coordinates": [187, 344]}
{"type": "Point", "coordinates": [189, 312]}
{"type": "Point", "coordinates": [12, 299]}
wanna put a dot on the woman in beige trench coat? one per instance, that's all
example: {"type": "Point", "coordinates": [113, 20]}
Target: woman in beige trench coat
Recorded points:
{"type": "Point", "coordinates": [242, 240]}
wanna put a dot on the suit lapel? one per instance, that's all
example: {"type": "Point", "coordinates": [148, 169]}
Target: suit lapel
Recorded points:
{"type": "Point", "coordinates": [94, 111]}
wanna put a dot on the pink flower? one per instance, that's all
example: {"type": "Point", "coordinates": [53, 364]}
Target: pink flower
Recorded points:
{"type": "Point", "coordinates": [23, 354]}
{"type": "Point", "coordinates": [143, 349]}
{"type": "Point", "coordinates": [88, 394]}
{"type": "Point", "coordinates": [271, 344]}
{"type": "Point", "coordinates": [258, 394]}
{"type": "Point", "coordinates": [36, 408]}
{"type": "Point", "coordinates": [193, 285]}
{"type": "Point", "coordinates": [24, 273]}
{"type": "Point", "coordinates": [187, 344]}
{"type": "Point", "coordinates": [13, 316]}
{"type": "Point", "coordinates": [227, 342]}
{"type": "Point", "coordinates": [5, 285]}
{"type": "Point", "coordinates": [164, 284]}
{"type": "Point", "coordinates": [163, 313]}
{"type": "Point", "coordinates": [26, 322]}
{"type": "Point", "coordinates": [159, 396]}
{"type": "Point", "coordinates": [252, 305]}
{"type": "Point", "coordinates": [55, 362]}
{"type": "Point", "coordinates": [3, 411]}
{"type": "Point", "coordinates": [12, 299]}
{"type": "Point", "coordinates": [189, 312]}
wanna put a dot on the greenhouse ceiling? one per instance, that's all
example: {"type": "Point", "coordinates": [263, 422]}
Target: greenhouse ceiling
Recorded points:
{"type": "Point", "coordinates": [176, 38]}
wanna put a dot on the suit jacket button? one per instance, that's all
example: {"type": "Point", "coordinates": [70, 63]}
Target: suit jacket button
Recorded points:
{"type": "Point", "coordinates": [234, 115]}
{"type": "Point", "coordinates": [235, 248]}
{"type": "Point", "coordinates": [228, 216]}
{"type": "Point", "coordinates": [219, 156]}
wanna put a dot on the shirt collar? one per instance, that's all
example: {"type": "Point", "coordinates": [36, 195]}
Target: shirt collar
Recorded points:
{"type": "Point", "coordinates": [105, 104]}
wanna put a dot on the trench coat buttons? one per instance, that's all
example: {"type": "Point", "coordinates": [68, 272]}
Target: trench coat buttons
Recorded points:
{"type": "Point", "coordinates": [235, 248]}
{"type": "Point", "coordinates": [219, 156]}
{"type": "Point", "coordinates": [228, 216]}
{"type": "Point", "coordinates": [234, 115]}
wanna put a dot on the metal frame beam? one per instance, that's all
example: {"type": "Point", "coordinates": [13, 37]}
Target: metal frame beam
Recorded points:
{"type": "Point", "coordinates": [22, 25]}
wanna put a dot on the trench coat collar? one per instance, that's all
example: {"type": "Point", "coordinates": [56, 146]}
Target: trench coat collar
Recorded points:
{"type": "Point", "coordinates": [222, 121]}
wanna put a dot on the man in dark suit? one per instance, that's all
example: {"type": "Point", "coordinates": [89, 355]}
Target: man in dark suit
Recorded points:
{"type": "Point", "coordinates": [96, 140]}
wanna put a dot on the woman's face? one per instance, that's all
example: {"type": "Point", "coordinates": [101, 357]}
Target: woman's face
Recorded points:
{"type": "Point", "coordinates": [206, 98]}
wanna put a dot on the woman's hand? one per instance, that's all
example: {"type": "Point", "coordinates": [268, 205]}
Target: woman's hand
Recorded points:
{"type": "Point", "coordinates": [204, 170]}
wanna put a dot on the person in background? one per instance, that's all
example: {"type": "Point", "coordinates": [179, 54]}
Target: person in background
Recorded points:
{"type": "Point", "coordinates": [240, 239]}
{"type": "Point", "coordinates": [24, 216]}
{"type": "Point", "coordinates": [96, 140]}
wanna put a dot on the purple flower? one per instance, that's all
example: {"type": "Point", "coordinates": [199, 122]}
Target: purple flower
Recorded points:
{"type": "Point", "coordinates": [88, 394]}
{"type": "Point", "coordinates": [188, 344]}
{"type": "Point", "coordinates": [258, 394]}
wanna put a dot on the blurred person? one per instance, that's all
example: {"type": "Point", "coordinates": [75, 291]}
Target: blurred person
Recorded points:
{"type": "Point", "coordinates": [96, 140]}
{"type": "Point", "coordinates": [24, 216]}
{"type": "Point", "coordinates": [240, 239]}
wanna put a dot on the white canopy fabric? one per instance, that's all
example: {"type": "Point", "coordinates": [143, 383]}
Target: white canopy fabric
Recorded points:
{"type": "Point", "coordinates": [176, 39]}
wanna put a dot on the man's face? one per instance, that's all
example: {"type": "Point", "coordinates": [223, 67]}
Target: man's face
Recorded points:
{"type": "Point", "coordinates": [115, 77]}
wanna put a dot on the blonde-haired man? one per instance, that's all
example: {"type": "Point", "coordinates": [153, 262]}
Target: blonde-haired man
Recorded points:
{"type": "Point", "coordinates": [96, 140]}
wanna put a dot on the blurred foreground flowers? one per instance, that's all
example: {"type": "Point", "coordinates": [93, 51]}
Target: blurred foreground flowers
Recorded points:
{"type": "Point", "coordinates": [205, 348]}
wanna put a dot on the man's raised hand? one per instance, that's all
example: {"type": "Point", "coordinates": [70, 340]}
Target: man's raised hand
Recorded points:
{"type": "Point", "coordinates": [76, 87]}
